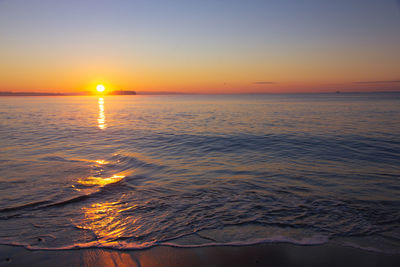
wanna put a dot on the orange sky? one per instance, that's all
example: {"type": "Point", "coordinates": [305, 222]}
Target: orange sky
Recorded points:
{"type": "Point", "coordinates": [231, 47]}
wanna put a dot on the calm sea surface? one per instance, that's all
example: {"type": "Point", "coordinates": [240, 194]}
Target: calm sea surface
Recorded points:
{"type": "Point", "coordinates": [140, 171]}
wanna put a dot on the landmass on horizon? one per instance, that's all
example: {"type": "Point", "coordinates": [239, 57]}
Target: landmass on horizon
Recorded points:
{"type": "Point", "coordinates": [87, 93]}
{"type": "Point", "coordinates": [10, 93]}
{"type": "Point", "coordinates": [118, 92]}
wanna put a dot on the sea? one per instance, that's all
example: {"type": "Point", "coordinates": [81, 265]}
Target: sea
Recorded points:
{"type": "Point", "coordinates": [134, 172]}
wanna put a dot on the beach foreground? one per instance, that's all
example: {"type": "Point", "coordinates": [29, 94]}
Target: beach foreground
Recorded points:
{"type": "Point", "coordinates": [256, 255]}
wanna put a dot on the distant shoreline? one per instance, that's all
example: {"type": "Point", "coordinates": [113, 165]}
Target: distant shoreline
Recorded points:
{"type": "Point", "coordinates": [9, 93]}
{"type": "Point", "coordinates": [30, 94]}
{"type": "Point", "coordinates": [63, 94]}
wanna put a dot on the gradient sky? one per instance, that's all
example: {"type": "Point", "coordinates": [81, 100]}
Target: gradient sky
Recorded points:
{"type": "Point", "coordinates": [200, 46]}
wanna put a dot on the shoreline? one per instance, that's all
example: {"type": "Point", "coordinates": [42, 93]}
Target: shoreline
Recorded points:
{"type": "Point", "coordinates": [266, 254]}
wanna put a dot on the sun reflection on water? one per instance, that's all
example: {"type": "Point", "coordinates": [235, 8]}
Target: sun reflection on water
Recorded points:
{"type": "Point", "coordinates": [101, 121]}
{"type": "Point", "coordinates": [108, 221]}
{"type": "Point", "coordinates": [101, 161]}
{"type": "Point", "coordinates": [100, 181]}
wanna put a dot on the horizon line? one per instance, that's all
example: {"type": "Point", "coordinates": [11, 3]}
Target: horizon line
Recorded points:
{"type": "Point", "coordinates": [12, 93]}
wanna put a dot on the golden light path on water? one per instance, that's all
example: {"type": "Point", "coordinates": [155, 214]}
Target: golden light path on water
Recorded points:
{"type": "Point", "coordinates": [100, 181]}
{"type": "Point", "coordinates": [101, 121]}
{"type": "Point", "coordinates": [104, 219]}
{"type": "Point", "coordinates": [106, 222]}
{"type": "Point", "coordinates": [101, 161]}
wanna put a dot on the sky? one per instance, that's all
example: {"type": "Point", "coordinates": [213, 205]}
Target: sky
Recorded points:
{"type": "Point", "coordinates": [275, 46]}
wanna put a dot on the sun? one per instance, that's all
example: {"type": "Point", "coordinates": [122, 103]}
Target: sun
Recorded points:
{"type": "Point", "coordinates": [100, 88]}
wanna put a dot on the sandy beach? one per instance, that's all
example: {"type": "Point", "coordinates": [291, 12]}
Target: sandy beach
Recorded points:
{"type": "Point", "coordinates": [255, 255]}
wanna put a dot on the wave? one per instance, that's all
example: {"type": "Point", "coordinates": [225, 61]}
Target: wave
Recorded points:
{"type": "Point", "coordinates": [57, 158]}
{"type": "Point", "coordinates": [71, 200]}
{"type": "Point", "coordinates": [90, 181]}
{"type": "Point", "coordinates": [122, 245]}
{"type": "Point", "coordinates": [25, 206]}
{"type": "Point", "coordinates": [99, 184]}
{"type": "Point", "coordinates": [317, 240]}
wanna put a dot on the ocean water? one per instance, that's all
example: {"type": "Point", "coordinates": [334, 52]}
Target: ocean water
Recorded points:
{"type": "Point", "coordinates": [141, 171]}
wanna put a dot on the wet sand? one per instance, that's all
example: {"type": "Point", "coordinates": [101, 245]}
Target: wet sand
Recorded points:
{"type": "Point", "coordinates": [255, 255]}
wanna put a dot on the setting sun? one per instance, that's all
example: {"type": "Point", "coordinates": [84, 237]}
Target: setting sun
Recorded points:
{"type": "Point", "coordinates": [100, 88]}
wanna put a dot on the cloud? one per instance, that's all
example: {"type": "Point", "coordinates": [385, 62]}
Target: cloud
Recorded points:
{"type": "Point", "coordinates": [378, 82]}
{"type": "Point", "coordinates": [264, 82]}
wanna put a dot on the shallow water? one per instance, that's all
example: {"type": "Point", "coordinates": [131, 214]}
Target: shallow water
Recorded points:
{"type": "Point", "coordinates": [138, 171]}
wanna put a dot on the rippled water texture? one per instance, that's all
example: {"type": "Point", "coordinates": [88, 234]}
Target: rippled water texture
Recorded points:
{"type": "Point", "coordinates": [138, 171]}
